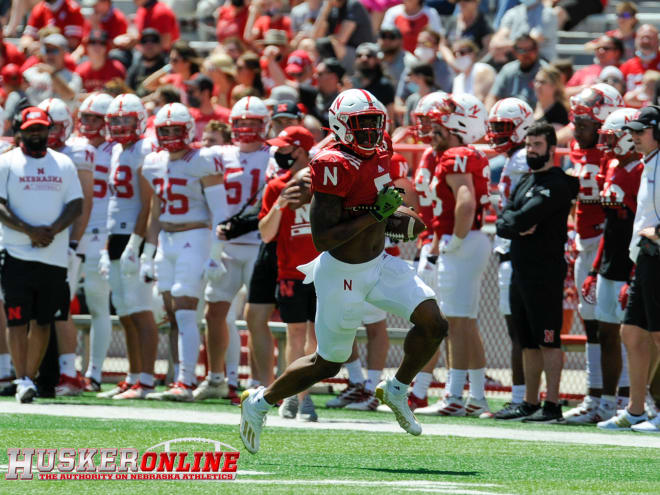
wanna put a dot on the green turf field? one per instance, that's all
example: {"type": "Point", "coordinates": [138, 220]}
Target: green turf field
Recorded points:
{"type": "Point", "coordinates": [317, 461]}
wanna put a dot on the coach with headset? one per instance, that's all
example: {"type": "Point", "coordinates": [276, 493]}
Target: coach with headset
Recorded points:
{"type": "Point", "coordinates": [643, 300]}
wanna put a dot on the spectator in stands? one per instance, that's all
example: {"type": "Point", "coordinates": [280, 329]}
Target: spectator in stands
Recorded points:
{"type": "Point", "coordinates": [502, 7]}
{"type": "Point", "coordinates": [248, 74]}
{"type": "Point", "coordinates": [99, 69]}
{"type": "Point", "coordinates": [234, 47]}
{"type": "Point", "coordinates": [552, 102]}
{"type": "Point", "coordinates": [626, 20]}
{"type": "Point", "coordinates": [517, 78]}
{"type": "Point", "coordinates": [646, 56]}
{"type": "Point", "coordinates": [64, 14]}
{"type": "Point", "coordinates": [184, 63]}
{"type": "Point", "coordinates": [150, 60]}
{"type": "Point", "coordinates": [273, 58]}
{"type": "Point", "coordinates": [421, 78]}
{"type": "Point", "coordinates": [285, 115]}
{"type": "Point", "coordinates": [532, 17]}
{"type": "Point", "coordinates": [473, 77]}
{"type": "Point", "coordinates": [232, 18]}
{"type": "Point", "coordinates": [202, 109]}
{"type": "Point", "coordinates": [644, 94]}
{"type": "Point", "coordinates": [264, 15]}
{"type": "Point", "coordinates": [9, 53]}
{"type": "Point", "coordinates": [346, 23]}
{"type": "Point", "coordinates": [469, 23]}
{"type": "Point", "coordinates": [571, 12]}
{"type": "Point", "coordinates": [299, 68]}
{"type": "Point", "coordinates": [614, 77]}
{"type": "Point", "coordinates": [394, 58]}
{"type": "Point", "coordinates": [50, 77]}
{"type": "Point", "coordinates": [281, 94]}
{"type": "Point", "coordinates": [216, 133]}
{"type": "Point", "coordinates": [104, 17]}
{"type": "Point", "coordinates": [318, 99]}
{"type": "Point", "coordinates": [369, 75]}
{"type": "Point", "coordinates": [565, 68]}
{"type": "Point", "coordinates": [14, 87]}
{"type": "Point", "coordinates": [303, 16]}
{"type": "Point", "coordinates": [411, 17]}
{"type": "Point", "coordinates": [222, 70]}
{"type": "Point", "coordinates": [157, 15]}
{"type": "Point", "coordinates": [609, 51]}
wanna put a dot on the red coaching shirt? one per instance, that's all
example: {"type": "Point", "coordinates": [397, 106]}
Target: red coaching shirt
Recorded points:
{"type": "Point", "coordinates": [158, 16]}
{"type": "Point", "coordinates": [64, 14]}
{"type": "Point", "coordinates": [589, 214]}
{"type": "Point", "coordinates": [94, 80]}
{"type": "Point", "coordinates": [294, 238]}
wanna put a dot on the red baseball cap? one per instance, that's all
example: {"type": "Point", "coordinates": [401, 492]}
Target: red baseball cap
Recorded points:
{"type": "Point", "coordinates": [11, 74]}
{"type": "Point", "coordinates": [32, 116]}
{"type": "Point", "coordinates": [297, 62]}
{"type": "Point", "coordinates": [295, 135]}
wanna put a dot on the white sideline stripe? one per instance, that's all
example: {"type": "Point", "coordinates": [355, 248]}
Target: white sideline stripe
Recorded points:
{"type": "Point", "coordinates": [553, 434]}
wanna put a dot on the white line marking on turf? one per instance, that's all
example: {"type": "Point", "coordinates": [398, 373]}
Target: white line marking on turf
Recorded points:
{"type": "Point", "coordinates": [554, 433]}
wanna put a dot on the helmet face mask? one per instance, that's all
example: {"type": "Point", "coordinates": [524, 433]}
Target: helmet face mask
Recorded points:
{"type": "Point", "coordinates": [175, 128]}
{"type": "Point", "coordinates": [367, 130]}
{"type": "Point", "coordinates": [56, 135]}
{"type": "Point", "coordinates": [247, 130]}
{"type": "Point", "coordinates": [62, 122]}
{"type": "Point", "coordinates": [421, 120]}
{"type": "Point", "coordinates": [92, 125]}
{"type": "Point", "coordinates": [250, 120]}
{"type": "Point", "coordinates": [499, 134]}
{"type": "Point", "coordinates": [123, 128]}
{"type": "Point", "coordinates": [126, 119]}
{"type": "Point", "coordinates": [463, 115]}
{"type": "Point", "coordinates": [172, 137]}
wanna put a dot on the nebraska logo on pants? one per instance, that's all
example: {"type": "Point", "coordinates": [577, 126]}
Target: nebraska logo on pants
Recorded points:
{"type": "Point", "coordinates": [548, 336]}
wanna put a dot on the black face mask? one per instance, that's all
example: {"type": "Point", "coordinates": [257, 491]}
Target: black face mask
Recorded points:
{"type": "Point", "coordinates": [284, 161]}
{"type": "Point", "coordinates": [238, 3]}
{"type": "Point", "coordinates": [537, 162]}
{"type": "Point", "coordinates": [34, 145]}
{"type": "Point", "coordinates": [194, 102]}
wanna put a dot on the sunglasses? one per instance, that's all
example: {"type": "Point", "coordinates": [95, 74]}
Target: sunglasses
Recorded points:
{"type": "Point", "coordinates": [367, 55]}
{"type": "Point", "coordinates": [96, 42]}
{"type": "Point", "coordinates": [606, 48]}
{"type": "Point", "coordinates": [150, 40]}
{"type": "Point", "coordinates": [51, 50]}
{"type": "Point", "coordinates": [388, 36]}
{"type": "Point", "coordinates": [463, 51]}
{"type": "Point", "coordinates": [518, 49]}
{"type": "Point", "coordinates": [175, 60]}
{"type": "Point", "coordinates": [625, 15]}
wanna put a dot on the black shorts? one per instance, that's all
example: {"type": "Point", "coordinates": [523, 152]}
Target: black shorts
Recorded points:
{"type": "Point", "coordinates": [537, 312]}
{"type": "Point", "coordinates": [264, 275]}
{"type": "Point", "coordinates": [33, 291]}
{"type": "Point", "coordinates": [116, 245]}
{"type": "Point", "coordinates": [643, 309]}
{"type": "Point", "coordinates": [297, 301]}
{"type": "Point", "coordinates": [578, 10]}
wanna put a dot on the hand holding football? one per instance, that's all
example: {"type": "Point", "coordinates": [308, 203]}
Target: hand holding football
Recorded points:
{"type": "Point", "coordinates": [404, 225]}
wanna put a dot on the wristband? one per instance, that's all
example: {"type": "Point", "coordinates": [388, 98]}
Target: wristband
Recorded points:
{"type": "Point", "coordinates": [74, 244]}
{"type": "Point", "coordinates": [149, 250]}
{"type": "Point", "coordinates": [592, 273]}
{"type": "Point", "coordinates": [134, 242]}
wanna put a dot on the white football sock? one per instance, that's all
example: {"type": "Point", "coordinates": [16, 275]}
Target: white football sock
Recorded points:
{"type": "Point", "coordinates": [233, 356]}
{"type": "Point", "coordinates": [252, 383]}
{"type": "Point", "coordinates": [189, 339]}
{"type": "Point", "coordinates": [175, 371]}
{"type": "Point", "coordinates": [624, 381]}
{"type": "Point", "coordinates": [517, 393]}
{"type": "Point", "coordinates": [68, 364]}
{"type": "Point", "coordinates": [232, 374]}
{"type": "Point", "coordinates": [457, 384]}
{"type": "Point", "coordinates": [260, 402]}
{"type": "Point", "coordinates": [373, 378]}
{"type": "Point", "coordinates": [354, 369]}
{"type": "Point", "coordinates": [5, 365]}
{"type": "Point", "coordinates": [594, 371]}
{"type": "Point", "coordinates": [147, 379]}
{"type": "Point", "coordinates": [216, 377]}
{"type": "Point", "coordinates": [610, 400]}
{"type": "Point", "coordinates": [477, 383]}
{"type": "Point", "coordinates": [97, 293]}
{"type": "Point", "coordinates": [132, 378]}
{"type": "Point", "coordinates": [421, 385]}
{"type": "Point", "coordinates": [397, 386]}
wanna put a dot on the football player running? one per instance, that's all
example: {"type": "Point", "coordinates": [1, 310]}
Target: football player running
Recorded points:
{"type": "Point", "coordinates": [460, 184]}
{"type": "Point", "coordinates": [612, 266]}
{"type": "Point", "coordinates": [351, 203]}
{"type": "Point", "coordinates": [589, 109]}
{"type": "Point", "coordinates": [188, 197]}
{"type": "Point", "coordinates": [128, 213]}
{"type": "Point", "coordinates": [245, 165]}
{"type": "Point", "coordinates": [96, 264]}
{"type": "Point", "coordinates": [82, 156]}
{"type": "Point", "coordinates": [508, 122]}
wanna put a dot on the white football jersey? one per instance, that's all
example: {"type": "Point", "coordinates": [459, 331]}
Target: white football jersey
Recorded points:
{"type": "Point", "coordinates": [80, 152]}
{"type": "Point", "coordinates": [98, 218]}
{"type": "Point", "coordinates": [514, 168]}
{"type": "Point", "coordinates": [245, 176]}
{"type": "Point", "coordinates": [36, 191]}
{"type": "Point", "coordinates": [124, 204]}
{"type": "Point", "coordinates": [178, 183]}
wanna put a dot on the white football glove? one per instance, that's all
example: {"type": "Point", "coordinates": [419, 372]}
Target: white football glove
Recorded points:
{"type": "Point", "coordinates": [104, 265]}
{"type": "Point", "coordinates": [129, 261]}
{"type": "Point", "coordinates": [147, 266]}
{"type": "Point", "coordinates": [214, 268]}
{"type": "Point", "coordinates": [454, 244]}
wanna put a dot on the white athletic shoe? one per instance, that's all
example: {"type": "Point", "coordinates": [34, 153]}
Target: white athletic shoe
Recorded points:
{"type": "Point", "coordinates": [179, 392]}
{"type": "Point", "coordinates": [622, 421]}
{"type": "Point", "coordinates": [289, 408]}
{"type": "Point", "coordinates": [648, 426]}
{"type": "Point", "coordinates": [25, 390]}
{"type": "Point", "coordinates": [477, 408]}
{"type": "Point", "coordinates": [605, 411]}
{"type": "Point", "coordinates": [136, 392]}
{"type": "Point", "coordinates": [449, 406]}
{"type": "Point", "coordinates": [352, 393]}
{"type": "Point", "coordinates": [118, 389]}
{"type": "Point", "coordinates": [307, 412]}
{"type": "Point", "coordinates": [651, 408]}
{"type": "Point", "coordinates": [398, 402]}
{"type": "Point", "coordinates": [368, 403]}
{"type": "Point", "coordinates": [584, 413]}
{"type": "Point", "coordinates": [252, 420]}
{"type": "Point", "coordinates": [211, 390]}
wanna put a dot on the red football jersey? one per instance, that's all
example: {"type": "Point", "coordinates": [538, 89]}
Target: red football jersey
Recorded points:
{"type": "Point", "coordinates": [589, 214]}
{"type": "Point", "coordinates": [294, 238]}
{"type": "Point", "coordinates": [621, 184]}
{"type": "Point", "coordinates": [459, 160]}
{"type": "Point", "coordinates": [160, 17]}
{"type": "Point", "coordinates": [231, 22]}
{"type": "Point", "coordinates": [94, 80]}
{"type": "Point", "coordinates": [634, 69]}
{"type": "Point", "coordinates": [398, 167]}
{"type": "Point", "coordinates": [114, 23]}
{"type": "Point", "coordinates": [425, 195]}
{"type": "Point", "coordinates": [265, 23]}
{"type": "Point", "coordinates": [64, 14]}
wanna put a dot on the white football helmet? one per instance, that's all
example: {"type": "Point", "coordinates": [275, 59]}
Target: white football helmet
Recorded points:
{"type": "Point", "coordinates": [97, 105]}
{"type": "Point", "coordinates": [249, 107]}
{"type": "Point", "coordinates": [596, 102]}
{"type": "Point", "coordinates": [358, 120]}
{"type": "Point", "coordinates": [420, 116]}
{"type": "Point", "coordinates": [462, 115]}
{"type": "Point", "coordinates": [508, 123]}
{"type": "Point", "coordinates": [613, 138]}
{"type": "Point", "coordinates": [59, 114]}
{"type": "Point", "coordinates": [174, 115]}
{"type": "Point", "coordinates": [123, 129]}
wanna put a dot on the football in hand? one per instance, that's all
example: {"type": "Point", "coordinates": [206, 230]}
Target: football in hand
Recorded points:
{"type": "Point", "coordinates": [404, 225]}
{"type": "Point", "coordinates": [298, 190]}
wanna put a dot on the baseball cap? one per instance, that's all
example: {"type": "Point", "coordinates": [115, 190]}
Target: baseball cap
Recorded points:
{"type": "Point", "coordinates": [367, 48]}
{"type": "Point", "coordinates": [297, 62]}
{"type": "Point", "coordinates": [334, 66]}
{"type": "Point", "coordinates": [201, 82]}
{"type": "Point", "coordinates": [56, 39]}
{"type": "Point", "coordinates": [97, 35]}
{"type": "Point", "coordinates": [33, 116]}
{"type": "Point", "coordinates": [287, 109]}
{"type": "Point", "coordinates": [648, 117]}
{"type": "Point", "coordinates": [275, 37]}
{"type": "Point", "coordinates": [610, 72]}
{"type": "Point", "coordinates": [295, 135]}
{"type": "Point", "coordinates": [149, 34]}
{"type": "Point", "coordinates": [280, 94]}
{"type": "Point", "coordinates": [391, 30]}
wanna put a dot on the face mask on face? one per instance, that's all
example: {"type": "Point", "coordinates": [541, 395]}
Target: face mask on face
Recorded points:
{"type": "Point", "coordinates": [194, 102]}
{"type": "Point", "coordinates": [425, 54]}
{"type": "Point", "coordinates": [537, 162]}
{"type": "Point", "coordinates": [238, 3]}
{"type": "Point", "coordinates": [413, 87]}
{"type": "Point", "coordinates": [463, 63]}
{"type": "Point", "coordinates": [284, 160]}
{"type": "Point", "coordinates": [646, 57]}
{"type": "Point", "coordinates": [528, 2]}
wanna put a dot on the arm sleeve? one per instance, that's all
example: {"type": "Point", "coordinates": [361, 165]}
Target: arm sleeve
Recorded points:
{"type": "Point", "coordinates": [535, 210]}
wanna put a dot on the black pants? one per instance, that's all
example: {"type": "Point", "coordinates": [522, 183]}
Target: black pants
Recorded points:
{"type": "Point", "coordinates": [643, 309]}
